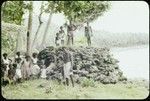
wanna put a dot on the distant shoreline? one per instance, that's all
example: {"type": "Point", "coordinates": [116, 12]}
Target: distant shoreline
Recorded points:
{"type": "Point", "coordinates": [123, 48]}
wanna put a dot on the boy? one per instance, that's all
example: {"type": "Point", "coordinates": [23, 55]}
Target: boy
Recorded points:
{"type": "Point", "coordinates": [35, 69]}
{"type": "Point", "coordinates": [57, 40]}
{"type": "Point", "coordinates": [26, 67]}
{"type": "Point", "coordinates": [67, 66]}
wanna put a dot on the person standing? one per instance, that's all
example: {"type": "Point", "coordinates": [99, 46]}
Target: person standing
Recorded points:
{"type": "Point", "coordinates": [6, 62]}
{"type": "Point", "coordinates": [43, 71]}
{"type": "Point", "coordinates": [70, 33]}
{"type": "Point", "coordinates": [18, 74]}
{"type": "Point", "coordinates": [62, 35]}
{"type": "Point", "coordinates": [35, 69]}
{"type": "Point", "coordinates": [68, 66]}
{"type": "Point", "coordinates": [88, 33]}
{"type": "Point", "coordinates": [57, 39]}
{"type": "Point", "coordinates": [26, 68]}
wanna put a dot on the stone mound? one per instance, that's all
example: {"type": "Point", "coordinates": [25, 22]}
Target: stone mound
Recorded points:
{"type": "Point", "coordinates": [89, 62]}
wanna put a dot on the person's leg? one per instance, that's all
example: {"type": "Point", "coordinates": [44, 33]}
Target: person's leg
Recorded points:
{"type": "Point", "coordinates": [68, 40]}
{"type": "Point", "coordinates": [72, 40]}
{"type": "Point", "coordinates": [67, 81]}
{"type": "Point", "coordinates": [87, 41]}
{"type": "Point", "coordinates": [71, 77]}
{"type": "Point", "coordinates": [90, 41]}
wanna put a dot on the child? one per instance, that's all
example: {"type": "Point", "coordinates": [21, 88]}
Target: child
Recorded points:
{"type": "Point", "coordinates": [35, 69]}
{"type": "Point", "coordinates": [57, 40]}
{"type": "Point", "coordinates": [26, 67]}
{"type": "Point", "coordinates": [62, 35]}
{"type": "Point", "coordinates": [6, 62]}
{"type": "Point", "coordinates": [18, 74]}
{"type": "Point", "coordinates": [43, 71]}
{"type": "Point", "coordinates": [67, 66]}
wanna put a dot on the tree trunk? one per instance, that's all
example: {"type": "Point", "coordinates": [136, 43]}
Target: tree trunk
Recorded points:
{"type": "Point", "coordinates": [40, 23]}
{"type": "Point", "coordinates": [29, 28]}
{"type": "Point", "coordinates": [46, 29]}
{"type": "Point", "coordinates": [17, 42]}
{"type": "Point", "coordinates": [3, 9]}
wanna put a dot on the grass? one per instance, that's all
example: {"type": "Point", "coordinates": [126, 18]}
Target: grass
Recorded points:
{"type": "Point", "coordinates": [52, 90]}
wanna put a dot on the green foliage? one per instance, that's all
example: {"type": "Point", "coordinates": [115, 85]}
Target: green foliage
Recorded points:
{"type": "Point", "coordinates": [12, 11]}
{"type": "Point", "coordinates": [82, 11]}
{"type": "Point", "coordinates": [88, 83]}
{"type": "Point", "coordinates": [8, 43]}
{"type": "Point", "coordinates": [78, 11]}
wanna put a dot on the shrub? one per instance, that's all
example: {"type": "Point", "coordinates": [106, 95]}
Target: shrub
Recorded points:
{"type": "Point", "coordinates": [88, 83]}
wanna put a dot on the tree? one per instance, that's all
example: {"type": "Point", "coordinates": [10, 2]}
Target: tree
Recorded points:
{"type": "Point", "coordinates": [12, 11]}
{"type": "Point", "coordinates": [81, 11]}
{"type": "Point", "coordinates": [50, 9]}
{"type": "Point", "coordinates": [40, 23]}
{"type": "Point", "coordinates": [29, 27]}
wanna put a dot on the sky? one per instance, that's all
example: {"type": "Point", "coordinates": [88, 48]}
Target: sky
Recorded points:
{"type": "Point", "coordinates": [123, 16]}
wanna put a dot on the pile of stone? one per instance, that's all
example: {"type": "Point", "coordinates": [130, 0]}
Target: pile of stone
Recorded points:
{"type": "Point", "coordinates": [88, 62]}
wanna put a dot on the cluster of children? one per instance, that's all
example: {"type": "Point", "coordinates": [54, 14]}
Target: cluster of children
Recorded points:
{"type": "Point", "coordinates": [21, 68]}
{"type": "Point", "coordinates": [24, 68]}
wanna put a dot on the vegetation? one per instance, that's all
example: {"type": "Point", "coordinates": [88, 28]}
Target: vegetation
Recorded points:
{"type": "Point", "coordinates": [43, 89]}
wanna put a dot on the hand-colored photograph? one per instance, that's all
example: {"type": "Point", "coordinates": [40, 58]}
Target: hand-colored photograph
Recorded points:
{"type": "Point", "coordinates": [75, 50]}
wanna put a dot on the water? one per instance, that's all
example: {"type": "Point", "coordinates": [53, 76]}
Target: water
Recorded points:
{"type": "Point", "coordinates": [134, 61]}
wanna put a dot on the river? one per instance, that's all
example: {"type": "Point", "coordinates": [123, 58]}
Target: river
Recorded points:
{"type": "Point", "coordinates": [133, 61]}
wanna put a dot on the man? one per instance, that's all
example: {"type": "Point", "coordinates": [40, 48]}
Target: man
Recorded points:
{"type": "Point", "coordinates": [62, 35]}
{"type": "Point", "coordinates": [70, 29]}
{"type": "Point", "coordinates": [68, 66]}
{"type": "Point", "coordinates": [88, 33]}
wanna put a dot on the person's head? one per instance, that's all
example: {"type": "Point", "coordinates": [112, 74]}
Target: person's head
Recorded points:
{"type": "Point", "coordinates": [18, 53]}
{"type": "Point", "coordinates": [61, 27]}
{"type": "Point", "coordinates": [5, 55]}
{"type": "Point", "coordinates": [34, 55]}
{"type": "Point", "coordinates": [57, 34]}
{"type": "Point", "coordinates": [18, 60]}
{"type": "Point", "coordinates": [27, 57]}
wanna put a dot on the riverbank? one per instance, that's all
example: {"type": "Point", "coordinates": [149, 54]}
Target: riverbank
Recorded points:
{"type": "Point", "coordinates": [44, 89]}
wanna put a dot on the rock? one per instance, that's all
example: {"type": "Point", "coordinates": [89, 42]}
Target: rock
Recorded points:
{"type": "Point", "coordinates": [89, 62]}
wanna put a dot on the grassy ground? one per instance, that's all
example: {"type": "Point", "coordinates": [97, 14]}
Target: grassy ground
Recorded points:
{"type": "Point", "coordinates": [43, 89]}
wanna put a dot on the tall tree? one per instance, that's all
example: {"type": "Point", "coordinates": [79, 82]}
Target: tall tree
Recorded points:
{"type": "Point", "coordinates": [40, 23]}
{"type": "Point", "coordinates": [29, 27]}
{"type": "Point", "coordinates": [50, 9]}
{"type": "Point", "coordinates": [12, 12]}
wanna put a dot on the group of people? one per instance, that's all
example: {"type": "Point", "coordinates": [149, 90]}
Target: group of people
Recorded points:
{"type": "Point", "coordinates": [20, 68]}
{"type": "Point", "coordinates": [60, 36]}
{"type": "Point", "coordinates": [24, 68]}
